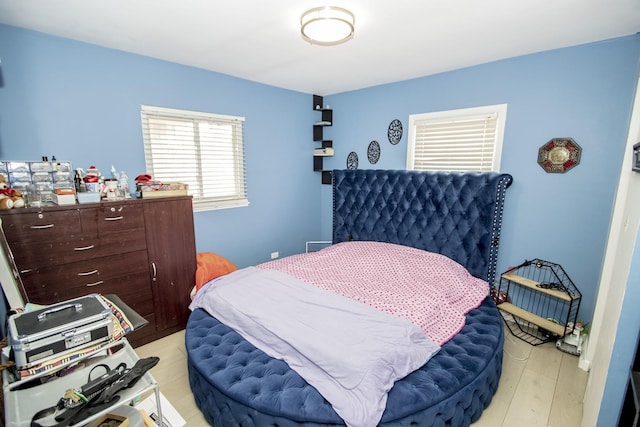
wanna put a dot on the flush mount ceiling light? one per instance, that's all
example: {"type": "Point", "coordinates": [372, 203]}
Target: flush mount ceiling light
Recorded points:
{"type": "Point", "coordinates": [327, 25]}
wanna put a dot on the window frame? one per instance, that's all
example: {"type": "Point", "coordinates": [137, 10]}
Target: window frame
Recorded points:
{"type": "Point", "coordinates": [458, 115]}
{"type": "Point", "coordinates": [237, 196]}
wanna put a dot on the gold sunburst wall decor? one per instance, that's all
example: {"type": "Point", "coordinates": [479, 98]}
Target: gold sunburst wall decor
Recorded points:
{"type": "Point", "coordinates": [559, 155]}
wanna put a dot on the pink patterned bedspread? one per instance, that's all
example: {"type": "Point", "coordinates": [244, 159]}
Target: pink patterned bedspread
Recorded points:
{"type": "Point", "coordinates": [428, 289]}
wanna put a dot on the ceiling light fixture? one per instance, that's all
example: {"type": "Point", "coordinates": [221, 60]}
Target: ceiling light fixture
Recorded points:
{"type": "Point", "coordinates": [327, 25]}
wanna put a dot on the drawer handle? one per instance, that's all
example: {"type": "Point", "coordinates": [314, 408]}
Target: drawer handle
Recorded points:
{"type": "Point", "coordinates": [88, 273]}
{"type": "Point", "coordinates": [41, 227]}
{"type": "Point", "coordinates": [114, 218]}
{"type": "Point", "coordinates": [99, 282]}
{"type": "Point", "coordinates": [84, 248]}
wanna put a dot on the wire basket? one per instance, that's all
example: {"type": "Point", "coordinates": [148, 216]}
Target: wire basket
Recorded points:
{"type": "Point", "coordinates": [538, 301]}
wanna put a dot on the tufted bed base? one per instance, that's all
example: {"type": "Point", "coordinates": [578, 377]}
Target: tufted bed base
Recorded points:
{"type": "Point", "coordinates": [458, 215]}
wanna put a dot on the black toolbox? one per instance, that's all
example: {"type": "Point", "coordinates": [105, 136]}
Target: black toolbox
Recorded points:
{"type": "Point", "coordinates": [52, 331]}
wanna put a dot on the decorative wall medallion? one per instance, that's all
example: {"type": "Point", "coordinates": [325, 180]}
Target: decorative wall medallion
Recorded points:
{"type": "Point", "coordinates": [352, 161]}
{"type": "Point", "coordinates": [559, 155]}
{"type": "Point", "coordinates": [395, 131]}
{"type": "Point", "coordinates": [373, 152]}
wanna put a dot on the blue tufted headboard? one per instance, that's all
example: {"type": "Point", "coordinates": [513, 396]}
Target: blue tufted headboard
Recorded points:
{"type": "Point", "coordinates": [456, 214]}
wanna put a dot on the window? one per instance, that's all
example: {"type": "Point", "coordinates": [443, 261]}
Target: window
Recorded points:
{"type": "Point", "coordinates": [469, 139]}
{"type": "Point", "coordinates": [203, 150]}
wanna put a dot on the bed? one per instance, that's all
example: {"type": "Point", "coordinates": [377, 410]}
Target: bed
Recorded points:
{"type": "Point", "coordinates": [458, 215]}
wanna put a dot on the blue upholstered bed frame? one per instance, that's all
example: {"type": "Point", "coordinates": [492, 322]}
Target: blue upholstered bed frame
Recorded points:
{"type": "Point", "coordinates": [456, 214]}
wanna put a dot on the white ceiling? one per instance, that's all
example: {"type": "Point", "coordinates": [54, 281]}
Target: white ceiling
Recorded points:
{"type": "Point", "coordinates": [260, 40]}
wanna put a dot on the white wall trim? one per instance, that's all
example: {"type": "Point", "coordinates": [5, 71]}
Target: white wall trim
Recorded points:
{"type": "Point", "coordinates": [623, 232]}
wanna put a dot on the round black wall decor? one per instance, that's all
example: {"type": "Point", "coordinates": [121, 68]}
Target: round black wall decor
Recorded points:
{"type": "Point", "coordinates": [373, 152]}
{"type": "Point", "coordinates": [395, 131]}
{"type": "Point", "coordinates": [352, 161]}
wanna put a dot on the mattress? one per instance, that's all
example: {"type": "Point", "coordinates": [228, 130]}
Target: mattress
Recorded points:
{"type": "Point", "coordinates": [235, 383]}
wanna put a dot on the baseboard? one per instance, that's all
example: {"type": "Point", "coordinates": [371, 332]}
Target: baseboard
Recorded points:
{"type": "Point", "coordinates": [583, 362]}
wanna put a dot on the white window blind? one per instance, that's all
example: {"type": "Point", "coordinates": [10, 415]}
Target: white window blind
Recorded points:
{"type": "Point", "coordinates": [203, 150]}
{"type": "Point", "coordinates": [458, 140]}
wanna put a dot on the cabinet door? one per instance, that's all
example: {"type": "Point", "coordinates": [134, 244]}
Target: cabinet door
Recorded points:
{"type": "Point", "coordinates": [172, 258]}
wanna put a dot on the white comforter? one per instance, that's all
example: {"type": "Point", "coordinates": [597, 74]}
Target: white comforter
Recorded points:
{"type": "Point", "coordinates": [351, 353]}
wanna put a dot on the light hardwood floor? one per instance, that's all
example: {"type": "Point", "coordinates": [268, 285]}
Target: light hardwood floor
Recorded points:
{"type": "Point", "coordinates": [540, 386]}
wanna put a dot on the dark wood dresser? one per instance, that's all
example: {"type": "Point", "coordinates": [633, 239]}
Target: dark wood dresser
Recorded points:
{"type": "Point", "coordinates": [142, 250]}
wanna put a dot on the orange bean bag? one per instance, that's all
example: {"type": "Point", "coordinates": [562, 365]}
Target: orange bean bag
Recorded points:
{"type": "Point", "coordinates": [210, 266]}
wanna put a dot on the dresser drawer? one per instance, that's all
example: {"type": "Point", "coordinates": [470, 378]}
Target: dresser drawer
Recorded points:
{"type": "Point", "coordinates": [41, 225]}
{"type": "Point", "coordinates": [114, 216]}
{"type": "Point", "coordinates": [33, 256]}
{"type": "Point", "coordinates": [134, 290]}
{"type": "Point", "coordinates": [90, 275]}
{"type": "Point", "coordinates": [145, 334]}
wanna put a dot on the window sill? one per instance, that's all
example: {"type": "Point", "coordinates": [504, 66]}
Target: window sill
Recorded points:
{"type": "Point", "coordinates": [206, 205]}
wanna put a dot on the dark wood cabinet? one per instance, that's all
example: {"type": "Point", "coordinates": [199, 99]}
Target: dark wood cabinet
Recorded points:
{"type": "Point", "coordinates": [171, 259]}
{"type": "Point", "coordinates": [141, 250]}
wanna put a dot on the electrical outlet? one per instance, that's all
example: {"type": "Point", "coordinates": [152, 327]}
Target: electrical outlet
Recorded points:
{"type": "Point", "coordinates": [275, 255]}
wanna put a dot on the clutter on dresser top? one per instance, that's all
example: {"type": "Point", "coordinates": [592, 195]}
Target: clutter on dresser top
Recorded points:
{"type": "Point", "coordinates": [53, 182]}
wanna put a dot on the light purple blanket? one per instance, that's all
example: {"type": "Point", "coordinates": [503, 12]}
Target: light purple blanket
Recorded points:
{"type": "Point", "coordinates": [351, 353]}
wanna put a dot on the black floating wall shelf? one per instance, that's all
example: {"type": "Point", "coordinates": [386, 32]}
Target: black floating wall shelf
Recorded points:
{"type": "Point", "coordinates": [326, 148]}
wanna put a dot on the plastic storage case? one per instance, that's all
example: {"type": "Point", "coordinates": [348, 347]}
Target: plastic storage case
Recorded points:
{"type": "Point", "coordinates": [43, 177]}
{"type": "Point", "coordinates": [40, 335]}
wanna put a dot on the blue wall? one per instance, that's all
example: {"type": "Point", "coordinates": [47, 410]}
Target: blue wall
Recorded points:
{"type": "Point", "coordinates": [583, 92]}
{"type": "Point", "coordinates": [81, 103]}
